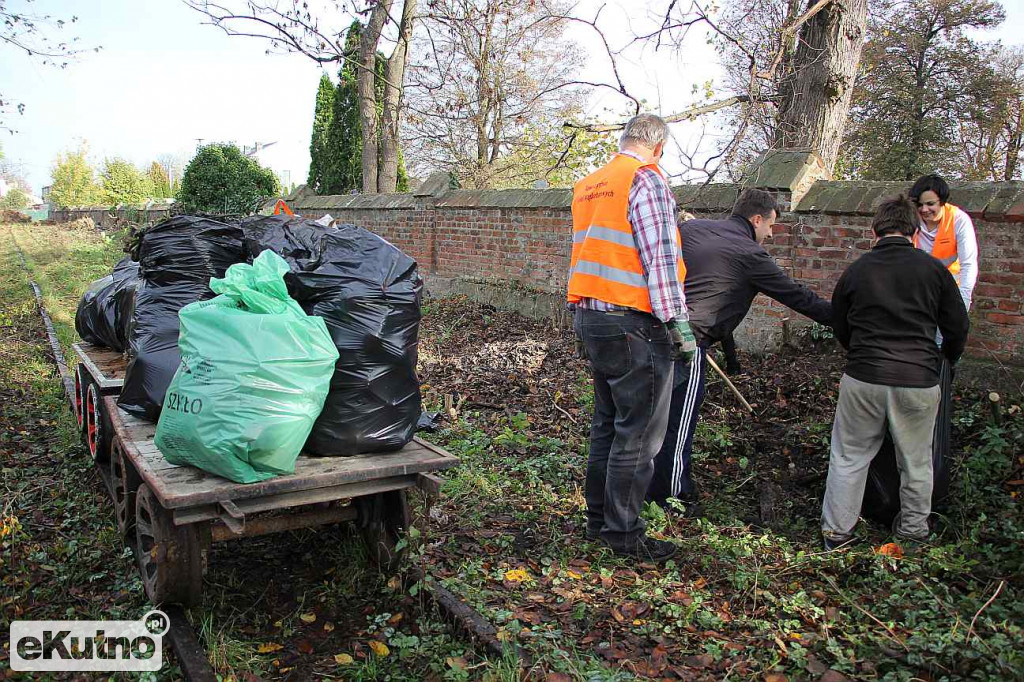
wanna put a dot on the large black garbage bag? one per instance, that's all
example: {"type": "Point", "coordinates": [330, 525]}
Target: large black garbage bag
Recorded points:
{"type": "Point", "coordinates": [368, 293]}
{"type": "Point", "coordinates": [882, 492]}
{"type": "Point", "coordinates": [153, 344]}
{"type": "Point", "coordinates": [122, 301]}
{"type": "Point", "coordinates": [294, 238]}
{"type": "Point", "coordinates": [100, 318]}
{"type": "Point", "coordinates": [189, 249]}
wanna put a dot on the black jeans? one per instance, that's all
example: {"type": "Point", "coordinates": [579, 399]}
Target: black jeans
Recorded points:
{"type": "Point", "coordinates": [631, 362]}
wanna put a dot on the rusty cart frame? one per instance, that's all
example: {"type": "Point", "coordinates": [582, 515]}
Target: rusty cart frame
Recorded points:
{"type": "Point", "coordinates": [172, 514]}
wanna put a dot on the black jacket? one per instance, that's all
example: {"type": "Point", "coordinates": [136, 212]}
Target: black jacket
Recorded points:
{"type": "Point", "coordinates": [725, 269]}
{"type": "Point", "coordinates": [888, 305]}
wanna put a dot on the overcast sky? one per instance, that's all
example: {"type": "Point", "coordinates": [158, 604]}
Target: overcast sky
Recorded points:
{"type": "Point", "coordinates": [163, 80]}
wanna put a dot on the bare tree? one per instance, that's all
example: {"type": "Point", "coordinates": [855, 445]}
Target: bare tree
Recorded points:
{"type": "Point", "coordinates": [988, 128]}
{"type": "Point", "coordinates": [790, 68]}
{"type": "Point", "coordinates": [489, 90]}
{"type": "Point", "coordinates": [293, 26]}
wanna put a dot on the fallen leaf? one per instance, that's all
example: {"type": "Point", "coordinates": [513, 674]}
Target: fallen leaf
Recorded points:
{"type": "Point", "coordinates": [575, 576]}
{"type": "Point", "coordinates": [395, 582]}
{"type": "Point", "coordinates": [379, 648]}
{"type": "Point", "coordinates": [343, 659]}
{"type": "Point", "coordinates": [456, 662]}
{"type": "Point", "coordinates": [328, 627]}
{"type": "Point", "coordinates": [395, 619]}
{"type": "Point", "coordinates": [557, 677]}
{"type": "Point", "coordinates": [517, 575]}
{"type": "Point", "coordinates": [308, 618]}
{"type": "Point", "coordinates": [304, 646]}
{"type": "Point", "coordinates": [775, 677]}
{"type": "Point", "coordinates": [682, 597]}
{"type": "Point", "coordinates": [700, 583]}
{"type": "Point", "coordinates": [269, 648]}
{"type": "Point", "coordinates": [833, 676]}
{"type": "Point", "coordinates": [890, 549]}
{"type": "Point", "coordinates": [701, 661]}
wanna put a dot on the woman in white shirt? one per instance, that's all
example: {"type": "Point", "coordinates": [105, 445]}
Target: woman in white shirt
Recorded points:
{"type": "Point", "coordinates": [946, 232]}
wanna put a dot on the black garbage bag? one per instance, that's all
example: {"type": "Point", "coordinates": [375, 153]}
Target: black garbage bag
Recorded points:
{"type": "Point", "coordinates": [368, 293]}
{"type": "Point", "coordinates": [122, 300]}
{"type": "Point", "coordinates": [294, 238]}
{"type": "Point", "coordinates": [882, 492]}
{"type": "Point", "coordinates": [153, 344]}
{"type": "Point", "coordinates": [189, 249]}
{"type": "Point", "coordinates": [99, 319]}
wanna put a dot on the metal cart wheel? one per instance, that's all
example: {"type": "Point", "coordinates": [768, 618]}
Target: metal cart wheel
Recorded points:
{"type": "Point", "coordinates": [382, 520]}
{"type": "Point", "coordinates": [98, 430]}
{"type": "Point", "coordinates": [169, 557]}
{"type": "Point", "coordinates": [80, 382]}
{"type": "Point", "coordinates": [124, 484]}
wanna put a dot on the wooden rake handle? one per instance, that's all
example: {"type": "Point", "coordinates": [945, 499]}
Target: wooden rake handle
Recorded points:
{"type": "Point", "coordinates": [728, 383]}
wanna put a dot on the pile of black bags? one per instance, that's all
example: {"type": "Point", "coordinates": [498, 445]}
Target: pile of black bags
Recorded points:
{"type": "Point", "coordinates": [177, 258]}
{"type": "Point", "coordinates": [367, 291]}
{"type": "Point", "coordinates": [105, 310]}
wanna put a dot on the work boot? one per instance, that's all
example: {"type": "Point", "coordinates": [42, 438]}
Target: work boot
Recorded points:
{"type": "Point", "coordinates": [832, 544]}
{"type": "Point", "coordinates": [647, 549]}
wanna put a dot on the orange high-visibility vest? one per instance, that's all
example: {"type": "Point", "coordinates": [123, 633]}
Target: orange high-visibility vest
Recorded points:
{"type": "Point", "coordinates": [944, 246]}
{"type": "Point", "coordinates": [605, 261]}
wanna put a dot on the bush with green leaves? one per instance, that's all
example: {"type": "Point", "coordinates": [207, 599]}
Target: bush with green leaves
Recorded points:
{"type": "Point", "coordinates": [124, 184]}
{"type": "Point", "coordinates": [14, 200]}
{"type": "Point", "coordinates": [220, 179]}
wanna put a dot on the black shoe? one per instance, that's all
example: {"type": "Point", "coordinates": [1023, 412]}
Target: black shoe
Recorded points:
{"type": "Point", "coordinates": [646, 548]}
{"type": "Point", "coordinates": [591, 534]}
{"type": "Point", "coordinates": [832, 545]}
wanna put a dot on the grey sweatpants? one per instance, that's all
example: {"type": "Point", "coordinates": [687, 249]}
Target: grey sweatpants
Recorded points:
{"type": "Point", "coordinates": [857, 433]}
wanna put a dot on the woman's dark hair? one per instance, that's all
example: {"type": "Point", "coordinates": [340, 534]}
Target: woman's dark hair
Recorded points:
{"type": "Point", "coordinates": [930, 183]}
{"type": "Point", "coordinates": [897, 215]}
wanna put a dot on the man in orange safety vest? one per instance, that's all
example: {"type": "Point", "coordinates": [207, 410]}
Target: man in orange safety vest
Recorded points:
{"type": "Point", "coordinates": [626, 286]}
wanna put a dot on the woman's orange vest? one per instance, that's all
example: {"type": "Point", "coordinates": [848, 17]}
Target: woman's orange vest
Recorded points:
{"type": "Point", "coordinates": [605, 261]}
{"type": "Point", "coordinates": [944, 247]}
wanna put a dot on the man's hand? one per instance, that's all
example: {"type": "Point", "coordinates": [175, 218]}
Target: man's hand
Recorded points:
{"type": "Point", "coordinates": [684, 344]}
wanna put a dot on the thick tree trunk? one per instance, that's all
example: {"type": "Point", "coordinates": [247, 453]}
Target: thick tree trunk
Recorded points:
{"type": "Point", "coordinates": [366, 86]}
{"type": "Point", "coordinates": [814, 95]}
{"type": "Point", "coordinates": [394, 74]}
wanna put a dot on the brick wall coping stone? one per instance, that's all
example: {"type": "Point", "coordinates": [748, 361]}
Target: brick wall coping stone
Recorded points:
{"type": "Point", "coordinates": [989, 200]}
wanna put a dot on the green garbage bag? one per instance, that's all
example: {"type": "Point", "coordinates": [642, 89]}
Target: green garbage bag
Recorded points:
{"type": "Point", "coordinates": [254, 374]}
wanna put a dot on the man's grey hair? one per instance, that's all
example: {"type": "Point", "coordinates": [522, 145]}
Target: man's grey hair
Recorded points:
{"type": "Point", "coordinates": [649, 130]}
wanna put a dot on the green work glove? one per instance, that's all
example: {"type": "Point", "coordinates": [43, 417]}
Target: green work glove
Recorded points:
{"type": "Point", "coordinates": [684, 344]}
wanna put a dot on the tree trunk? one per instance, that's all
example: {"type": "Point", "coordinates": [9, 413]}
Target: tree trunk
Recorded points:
{"type": "Point", "coordinates": [394, 74]}
{"type": "Point", "coordinates": [815, 94]}
{"type": "Point", "coordinates": [366, 87]}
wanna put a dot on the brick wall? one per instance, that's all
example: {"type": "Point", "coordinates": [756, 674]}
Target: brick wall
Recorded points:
{"type": "Point", "coordinates": [512, 247]}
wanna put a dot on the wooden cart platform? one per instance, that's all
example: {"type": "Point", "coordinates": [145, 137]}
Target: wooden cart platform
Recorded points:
{"type": "Point", "coordinates": [172, 513]}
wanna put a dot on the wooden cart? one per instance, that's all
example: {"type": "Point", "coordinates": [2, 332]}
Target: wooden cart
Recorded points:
{"type": "Point", "coordinates": [173, 513]}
